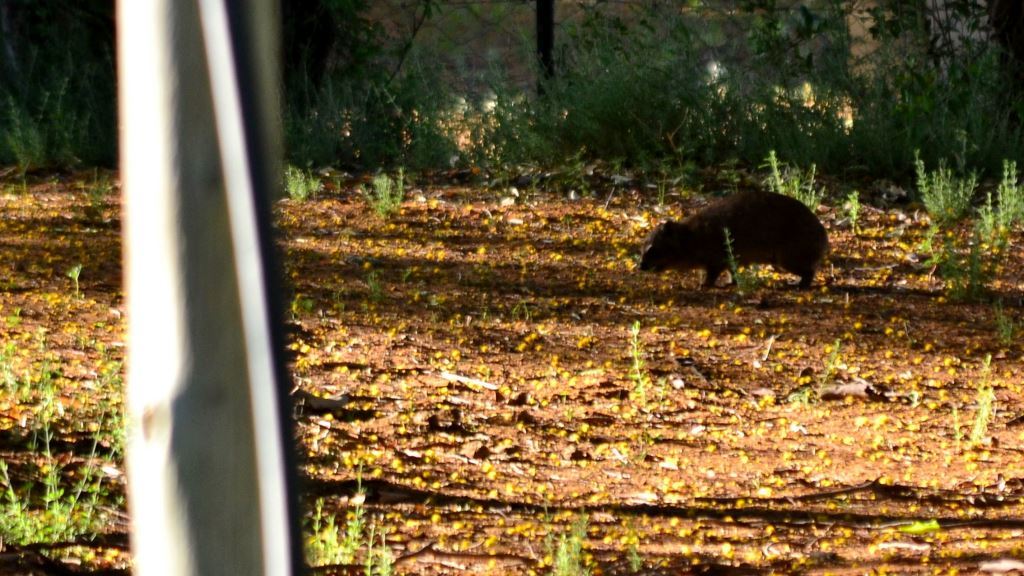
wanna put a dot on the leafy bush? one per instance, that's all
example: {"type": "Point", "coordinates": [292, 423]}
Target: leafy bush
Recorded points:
{"type": "Point", "coordinates": [627, 90]}
{"type": "Point", "coordinates": [372, 123]}
{"type": "Point", "coordinates": [790, 181]}
{"type": "Point", "coordinates": [386, 194]}
{"type": "Point", "coordinates": [58, 105]}
{"type": "Point", "coordinates": [946, 196]}
{"type": "Point", "coordinates": [300, 184]}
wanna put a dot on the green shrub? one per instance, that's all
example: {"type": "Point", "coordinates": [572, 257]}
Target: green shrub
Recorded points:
{"type": "Point", "coordinates": [792, 182]}
{"type": "Point", "coordinates": [300, 184]}
{"type": "Point", "coordinates": [371, 122]}
{"type": "Point", "coordinates": [946, 196]}
{"type": "Point", "coordinates": [386, 194]}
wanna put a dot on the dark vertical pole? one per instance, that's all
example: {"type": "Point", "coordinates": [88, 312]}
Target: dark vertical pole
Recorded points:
{"type": "Point", "coordinates": [545, 40]}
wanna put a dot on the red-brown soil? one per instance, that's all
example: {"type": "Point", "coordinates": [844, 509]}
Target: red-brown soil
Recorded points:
{"type": "Point", "coordinates": [470, 364]}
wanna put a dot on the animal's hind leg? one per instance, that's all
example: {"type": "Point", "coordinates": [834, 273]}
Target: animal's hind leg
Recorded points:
{"type": "Point", "coordinates": [711, 274]}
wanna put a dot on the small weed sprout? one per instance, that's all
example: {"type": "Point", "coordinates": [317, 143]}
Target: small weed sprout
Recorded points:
{"type": "Point", "coordinates": [965, 271]}
{"type": "Point", "coordinates": [996, 218]}
{"type": "Point", "coordinates": [301, 305]}
{"type": "Point", "coordinates": [853, 210]}
{"type": "Point", "coordinates": [965, 275]}
{"type": "Point", "coordinates": [791, 182]}
{"type": "Point", "coordinates": [324, 546]}
{"type": "Point", "coordinates": [985, 400]}
{"type": "Point", "coordinates": [577, 172]}
{"type": "Point", "coordinates": [746, 280]}
{"type": "Point", "coordinates": [25, 137]}
{"type": "Point", "coordinates": [74, 272]}
{"type": "Point", "coordinates": [1011, 196]}
{"type": "Point", "coordinates": [327, 545]}
{"type": "Point", "coordinates": [8, 379]}
{"type": "Point", "coordinates": [1006, 328]}
{"type": "Point", "coordinates": [97, 192]}
{"type": "Point", "coordinates": [300, 184]}
{"type": "Point", "coordinates": [66, 514]}
{"type": "Point", "coordinates": [832, 364]}
{"type": "Point", "coordinates": [380, 561]}
{"type": "Point", "coordinates": [946, 196]}
{"type": "Point", "coordinates": [988, 216]}
{"type": "Point", "coordinates": [386, 194]}
{"type": "Point", "coordinates": [958, 433]}
{"type": "Point", "coordinates": [662, 191]}
{"type": "Point", "coordinates": [376, 288]}
{"type": "Point", "coordinates": [638, 373]}
{"type": "Point", "coordinates": [568, 554]}
{"type": "Point", "coordinates": [521, 311]}
{"type": "Point", "coordinates": [636, 561]}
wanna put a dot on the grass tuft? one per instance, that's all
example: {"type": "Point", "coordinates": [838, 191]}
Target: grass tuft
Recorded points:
{"type": "Point", "coordinates": [793, 182]}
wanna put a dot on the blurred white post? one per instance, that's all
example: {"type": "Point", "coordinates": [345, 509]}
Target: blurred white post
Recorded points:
{"type": "Point", "coordinates": [208, 484]}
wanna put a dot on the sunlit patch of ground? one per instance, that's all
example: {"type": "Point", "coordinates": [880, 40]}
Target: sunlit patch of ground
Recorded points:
{"type": "Point", "coordinates": [471, 365]}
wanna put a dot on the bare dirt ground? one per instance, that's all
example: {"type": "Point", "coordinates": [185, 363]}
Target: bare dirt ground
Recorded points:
{"type": "Point", "coordinates": [471, 365]}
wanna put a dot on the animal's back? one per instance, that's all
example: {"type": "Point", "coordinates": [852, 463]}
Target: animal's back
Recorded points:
{"type": "Point", "coordinates": [763, 227]}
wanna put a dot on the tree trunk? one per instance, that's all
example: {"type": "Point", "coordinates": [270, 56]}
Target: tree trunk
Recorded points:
{"type": "Point", "coordinates": [209, 490]}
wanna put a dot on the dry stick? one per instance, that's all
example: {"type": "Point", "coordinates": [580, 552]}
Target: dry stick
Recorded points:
{"type": "Point", "coordinates": [429, 554]}
{"type": "Point", "coordinates": [768, 349]}
{"type": "Point", "coordinates": [470, 381]}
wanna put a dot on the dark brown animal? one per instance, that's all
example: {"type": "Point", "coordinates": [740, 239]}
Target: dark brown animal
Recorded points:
{"type": "Point", "coordinates": [764, 228]}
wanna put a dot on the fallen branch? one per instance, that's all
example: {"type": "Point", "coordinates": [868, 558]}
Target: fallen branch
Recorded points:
{"type": "Point", "coordinates": [469, 381]}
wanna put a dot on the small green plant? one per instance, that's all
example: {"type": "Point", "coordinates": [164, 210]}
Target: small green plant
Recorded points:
{"type": "Point", "coordinates": [996, 218]}
{"type": "Point", "coordinates": [662, 191]}
{"type": "Point", "coordinates": [376, 287]}
{"type": "Point", "coordinates": [636, 561]}
{"type": "Point", "coordinates": [1011, 196]}
{"type": "Point", "coordinates": [637, 372]}
{"type": "Point", "coordinates": [985, 400]}
{"type": "Point", "coordinates": [300, 184]}
{"type": "Point", "coordinates": [965, 275]}
{"type": "Point", "coordinates": [97, 193]}
{"type": "Point", "coordinates": [832, 364]}
{"type": "Point", "coordinates": [988, 221]}
{"type": "Point", "coordinates": [790, 181]}
{"type": "Point", "coordinates": [958, 432]}
{"type": "Point", "coordinates": [380, 561]}
{"type": "Point", "coordinates": [1006, 328]}
{"type": "Point", "coordinates": [8, 379]}
{"type": "Point", "coordinates": [745, 279]}
{"type": "Point", "coordinates": [853, 210]}
{"type": "Point", "coordinates": [64, 514]}
{"type": "Point", "coordinates": [521, 311]}
{"type": "Point", "coordinates": [25, 138]}
{"type": "Point", "coordinates": [568, 553]}
{"type": "Point", "coordinates": [576, 175]}
{"type": "Point", "coordinates": [14, 318]}
{"type": "Point", "coordinates": [301, 305]}
{"type": "Point", "coordinates": [74, 272]}
{"type": "Point", "coordinates": [946, 196]}
{"type": "Point", "coordinates": [326, 544]}
{"type": "Point", "coordinates": [386, 194]}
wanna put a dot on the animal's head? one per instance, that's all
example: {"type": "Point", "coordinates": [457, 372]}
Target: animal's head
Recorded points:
{"type": "Point", "coordinates": [663, 248]}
